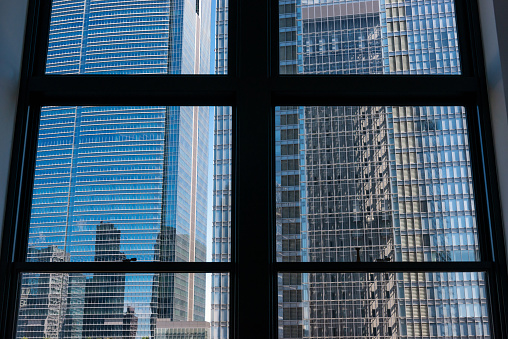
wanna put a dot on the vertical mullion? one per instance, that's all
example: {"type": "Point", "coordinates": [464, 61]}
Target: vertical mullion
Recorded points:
{"type": "Point", "coordinates": [254, 258]}
{"type": "Point", "coordinates": [273, 53]}
{"type": "Point", "coordinates": [233, 275]}
{"type": "Point", "coordinates": [497, 279]}
{"type": "Point", "coordinates": [232, 71]}
{"type": "Point", "coordinates": [274, 72]}
{"type": "Point", "coordinates": [482, 207]}
{"type": "Point", "coordinates": [42, 37]}
{"type": "Point", "coordinates": [464, 37]}
{"type": "Point", "coordinates": [272, 210]}
{"type": "Point", "coordinates": [21, 216]}
{"type": "Point", "coordinates": [17, 212]}
{"type": "Point", "coordinates": [479, 184]}
{"type": "Point", "coordinates": [490, 226]}
{"type": "Point", "coordinates": [38, 66]}
{"type": "Point", "coordinates": [232, 46]}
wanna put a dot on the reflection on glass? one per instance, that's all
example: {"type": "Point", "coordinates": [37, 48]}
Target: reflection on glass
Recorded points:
{"type": "Point", "coordinates": [114, 305]}
{"type": "Point", "coordinates": [374, 184]}
{"type": "Point", "coordinates": [131, 181]}
{"type": "Point", "coordinates": [130, 37]}
{"type": "Point", "coordinates": [221, 221]}
{"type": "Point", "coordinates": [383, 305]}
{"type": "Point", "coordinates": [368, 37]}
{"type": "Point", "coordinates": [221, 226]}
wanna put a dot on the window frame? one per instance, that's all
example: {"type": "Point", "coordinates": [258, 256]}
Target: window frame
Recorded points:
{"type": "Point", "coordinates": [253, 88]}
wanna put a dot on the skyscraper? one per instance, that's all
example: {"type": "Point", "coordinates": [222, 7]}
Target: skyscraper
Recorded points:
{"type": "Point", "coordinates": [125, 180]}
{"type": "Point", "coordinates": [222, 178]}
{"type": "Point", "coordinates": [105, 291]}
{"type": "Point", "coordinates": [73, 323]}
{"type": "Point", "coordinates": [374, 183]}
{"type": "Point", "coordinates": [43, 297]}
{"type": "Point", "coordinates": [355, 183]}
{"type": "Point", "coordinates": [130, 323]}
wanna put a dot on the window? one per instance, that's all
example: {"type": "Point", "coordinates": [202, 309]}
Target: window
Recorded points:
{"type": "Point", "coordinates": [340, 178]}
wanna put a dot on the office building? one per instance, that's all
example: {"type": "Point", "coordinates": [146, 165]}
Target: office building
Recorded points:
{"type": "Point", "coordinates": [73, 323]}
{"type": "Point", "coordinates": [105, 291]}
{"type": "Point", "coordinates": [43, 297]}
{"type": "Point", "coordinates": [182, 330]}
{"type": "Point", "coordinates": [131, 176]}
{"type": "Point", "coordinates": [222, 178]}
{"type": "Point", "coordinates": [130, 323]}
{"type": "Point", "coordinates": [401, 190]}
{"type": "Point", "coordinates": [375, 183]}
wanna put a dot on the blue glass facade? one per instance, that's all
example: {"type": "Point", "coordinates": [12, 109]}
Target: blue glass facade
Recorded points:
{"type": "Point", "coordinates": [366, 183]}
{"type": "Point", "coordinates": [221, 226]}
{"type": "Point", "coordinates": [374, 183]}
{"type": "Point", "coordinates": [143, 171]}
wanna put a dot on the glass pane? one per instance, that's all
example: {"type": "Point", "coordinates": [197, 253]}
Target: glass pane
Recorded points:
{"type": "Point", "coordinates": [118, 305]}
{"type": "Point", "coordinates": [368, 37]}
{"type": "Point", "coordinates": [221, 250]}
{"type": "Point", "coordinates": [374, 184]}
{"type": "Point", "coordinates": [119, 183]}
{"type": "Point", "coordinates": [221, 36]}
{"type": "Point", "coordinates": [383, 305]}
{"type": "Point", "coordinates": [135, 37]}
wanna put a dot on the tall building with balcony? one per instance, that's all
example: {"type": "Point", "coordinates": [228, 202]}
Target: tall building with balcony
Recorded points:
{"type": "Point", "coordinates": [142, 169]}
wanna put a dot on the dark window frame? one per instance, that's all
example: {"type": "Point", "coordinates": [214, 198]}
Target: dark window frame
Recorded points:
{"type": "Point", "coordinates": [253, 89]}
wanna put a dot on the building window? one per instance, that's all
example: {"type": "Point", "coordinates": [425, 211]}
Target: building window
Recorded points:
{"type": "Point", "coordinates": [294, 169]}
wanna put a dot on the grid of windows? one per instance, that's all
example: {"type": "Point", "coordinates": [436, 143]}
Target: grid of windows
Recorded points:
{"type": "Point", "coordinates": [71, 305]}
{"type": "Point", "coordinates": [357, 305]}
{"type": "Point", "coordinates": [383, 183]}
{"type": "Point", "coordinates": [124, 182]}
{"type": "Point", "coordinates": [222, 193]}
{"type": "Point", "coordinates": [368, 37]}
{"type": "Point", "coordinates": [370, 183]}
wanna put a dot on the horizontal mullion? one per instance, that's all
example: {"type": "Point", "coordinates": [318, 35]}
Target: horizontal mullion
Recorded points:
{"type": "Point", "coordinates": [303, 99]}
{"type": "Point", "coordinates": [184, 90]}
{"type": "Point", "coordinates": [377, 83]}
{"type": "Point", "coordinates": [217, 90]}
{"type": "Point", "coordinates": [383, 90]}
{"type": "Point", "coordinates": [307, 90]}
{"type": "Point", "coordinates": [357, 267]}
{"type": "Point", "coordinates": [124, 267]}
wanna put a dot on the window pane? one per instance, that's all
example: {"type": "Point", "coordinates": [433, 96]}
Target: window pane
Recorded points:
{"type": "Point", "coordinates": [368, 37]}
{"type": "Point", "coordinates": [116, 183]}
{"type": "Point", "coordinates": [374, 184]}
{"type": "Point", "coordinates": [134, 37]}
{"type": "Point", "coordinates": [117, 305]}
{"type": "Point", "coordinates": [383, 305]}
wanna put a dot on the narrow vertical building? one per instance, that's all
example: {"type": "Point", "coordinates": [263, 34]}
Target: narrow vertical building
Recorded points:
{"type": "Point", "coordinates": [222, 180]}
{"type": "Point", "coordinates": [105, 291]}
{"type": "Point", "coordinates": [43, 299]}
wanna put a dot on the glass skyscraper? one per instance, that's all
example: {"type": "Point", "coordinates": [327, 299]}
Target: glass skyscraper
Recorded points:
{"type": "Point", "coordinates": [120, 183]}
{"type": "Point", "coordinates": [354, 183]}
{"type": "Point", "coordinates": [221, 226]}
{"type": "Point", "coordinates": [374, 183]}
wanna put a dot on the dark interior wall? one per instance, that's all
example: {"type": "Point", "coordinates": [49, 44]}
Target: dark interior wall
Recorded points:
{"type": "Point", "coordinates": [12, 30]}
{"type": "Point", "coordinates": [493, 14]}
